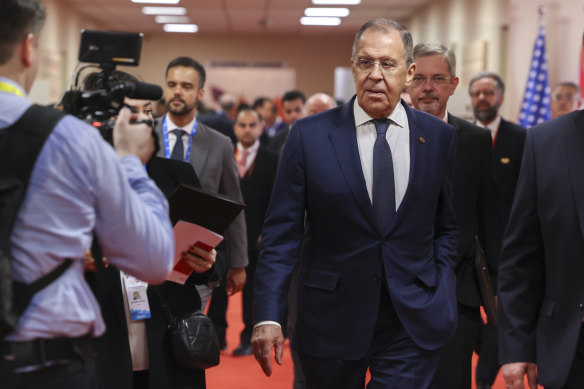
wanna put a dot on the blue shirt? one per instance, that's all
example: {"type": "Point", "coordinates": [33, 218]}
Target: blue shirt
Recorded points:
{"type": "Point", "coordinates": [79, 186]}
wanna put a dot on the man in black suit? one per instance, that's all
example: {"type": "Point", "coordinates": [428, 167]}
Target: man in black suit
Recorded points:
{"type": "Point", "coordinates": [541, 293]}
{"type": "Point", "coordinates": [293, 106]}
{"type": "Point", "coordinates": [475, 205]}
{"type": "Point", "coordinates": [272, 121]}
{"type": "Point", "coordinates": [257, 167]}
{"type": "Point", "coordinates": [486, 92]}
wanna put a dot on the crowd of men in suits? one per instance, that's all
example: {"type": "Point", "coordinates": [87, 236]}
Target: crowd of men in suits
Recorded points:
{"type": "Point", "coordinates": [360, 235]}
{"type": "Point", "coordinates": [486, 169]}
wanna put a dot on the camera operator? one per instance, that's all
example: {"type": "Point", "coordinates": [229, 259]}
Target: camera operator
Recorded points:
{"type": "Point", "coordinates": [136, 352]}
{"type": "Point", "coordinates": [78, 188]}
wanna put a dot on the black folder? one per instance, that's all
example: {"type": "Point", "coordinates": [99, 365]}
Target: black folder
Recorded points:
{"type": "Point", "coordinates": [209, 210]}
{"type": "Point", "coordinates": [168, 174]}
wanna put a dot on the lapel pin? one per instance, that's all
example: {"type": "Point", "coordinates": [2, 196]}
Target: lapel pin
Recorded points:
{"type": "Point", "coordinates": [505, 160]}
{"type": "Point", "coordinates": [422, 140]}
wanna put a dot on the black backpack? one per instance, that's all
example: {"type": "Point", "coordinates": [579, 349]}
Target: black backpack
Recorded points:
{"type": "Point", "coordinates": [20, 146]}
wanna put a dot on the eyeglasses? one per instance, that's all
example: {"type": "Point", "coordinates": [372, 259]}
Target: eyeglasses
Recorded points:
{"type": "Point", "coordinates": [367, 65]}
{"type": "Point", "coordinates": [486, 93]}
{"type": "Point", "coordinates": [436, 80]}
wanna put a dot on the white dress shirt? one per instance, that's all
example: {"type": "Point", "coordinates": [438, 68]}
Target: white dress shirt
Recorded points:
{"type": "Point", "coordinates": [170, 126]}
{"type": "Point", "coordinates": [252, 152]}
{"type": "Point", "coordinates": [398, 137]}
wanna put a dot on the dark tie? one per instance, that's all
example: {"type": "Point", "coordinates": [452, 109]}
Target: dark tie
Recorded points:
{"type": "Point", "coordinates": [178, 150]}
{"type": "Point", "coordinates": [383, 182]}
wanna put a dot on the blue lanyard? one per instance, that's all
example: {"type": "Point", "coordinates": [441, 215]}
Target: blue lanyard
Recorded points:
{"type": "Point", "coordinates": [167, 144]}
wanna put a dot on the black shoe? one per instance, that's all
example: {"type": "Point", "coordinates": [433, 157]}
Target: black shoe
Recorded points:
{"type": "Point", "coordinates": [242, 350]}
{"type": "Point", "coordinates": [223, 344]}
{"type": "Point", "coordinates": [482, 385]}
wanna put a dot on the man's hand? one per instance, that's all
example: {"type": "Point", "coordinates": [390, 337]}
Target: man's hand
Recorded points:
{"type": "Point", "coordinates": [513, 374]}
{"type": "Point", "coordinates": [200, 260]}
{"type": "Point", "coordinates": [134, 139]}
{"type": "Point", "coordinates": [235, 280]}
{"type": "Point", "coordinates": [263, 339]}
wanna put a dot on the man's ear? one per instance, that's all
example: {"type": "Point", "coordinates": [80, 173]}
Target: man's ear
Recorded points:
{"type": "Point", "coordinates": [200, 94]}
{"type": "Point", "coordinates": [28, 50]}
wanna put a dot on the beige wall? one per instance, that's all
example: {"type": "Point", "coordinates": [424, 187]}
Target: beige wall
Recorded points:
{"type": "Point", "coordinates": [506, 27]}
{"type": "Point", "coordinates": [314, 58]}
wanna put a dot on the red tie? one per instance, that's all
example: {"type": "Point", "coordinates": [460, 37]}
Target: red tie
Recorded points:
{"type": "Point", "coordinates": [242, 163]}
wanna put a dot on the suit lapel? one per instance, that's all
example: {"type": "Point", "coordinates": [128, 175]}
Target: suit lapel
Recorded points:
{"type": "Point", "coordinates": [158, 131]}
{"type": "Point", "coordinates": [344, 142]}
{"type": "Point", "coordinates": [575, 145]}
{"type": "Point", "coordinates": [200, 146]}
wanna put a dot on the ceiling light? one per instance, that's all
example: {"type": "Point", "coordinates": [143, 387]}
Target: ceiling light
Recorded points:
{"type": "Point", "coordinates": [156, 1]}
{"type": "Point", "coordinates": [171, 19]}
{"type": "Point", "coordinates": [336, 2]}
{"type": "Point", "coordinates": [313, 21]}
{"type": "Point", "coordinates": [164, 11]}
{"type": "Point", "coordinates": [338, 12]}
{"type": "Point", "coordinates": [190, 28]}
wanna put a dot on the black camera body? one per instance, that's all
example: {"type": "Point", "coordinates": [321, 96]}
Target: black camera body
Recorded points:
{"type": "Point", "coordinates": [104, 96]}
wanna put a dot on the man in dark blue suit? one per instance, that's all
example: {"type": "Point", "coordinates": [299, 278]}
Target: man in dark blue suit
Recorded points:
{"type": "Point", "coordinates": [371, 180]}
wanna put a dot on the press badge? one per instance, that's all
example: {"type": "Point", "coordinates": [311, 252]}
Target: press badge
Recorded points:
{"type": "Point", "coordinates": [136, 297]}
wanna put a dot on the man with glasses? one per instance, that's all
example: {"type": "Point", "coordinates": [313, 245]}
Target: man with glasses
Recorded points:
{"type": "Point", "coordinates": [565, 99]}
{"type": "Point", "coordinates": [486, 91]}
{"type": "Point", "coordinates": [372, 181]}
{"type": "Point", "coordinates": [475, 205]}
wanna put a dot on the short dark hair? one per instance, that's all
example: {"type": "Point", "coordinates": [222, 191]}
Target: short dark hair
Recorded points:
{"type": "Point", "coordinates": [260, 101]}
{"type": "Point", "coordinates": [383, 24]}
{"type": "Point", "coordinates": [494, 76]}
{"type": "Point", "coordinates": [17, 19]}
{"type": "Point", "coordinates": [294, 95]}
{"type": "Point", "coordinates": [189, 63]}
{"type": "Point", "coordinates": [94, 81]}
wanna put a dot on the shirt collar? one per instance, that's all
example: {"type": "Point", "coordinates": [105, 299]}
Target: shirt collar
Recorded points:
{"type": "Point", "coordinates": [9, 86]}
{"type": "Point", "coordinates": [398, 116]}
{"type": "Point", "coordinates": [251, 149]}
{"type": "Point", "coordinates": [493, 126]}
{"type": "Point", "coordinates": [171, 126]}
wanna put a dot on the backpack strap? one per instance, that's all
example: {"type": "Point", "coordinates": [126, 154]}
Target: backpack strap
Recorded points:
{"type": "Point", "coordinates": [20, 146]}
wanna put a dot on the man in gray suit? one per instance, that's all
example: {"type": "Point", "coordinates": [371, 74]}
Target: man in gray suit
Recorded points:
{"type": "Point", "coordinates": [211, 154]}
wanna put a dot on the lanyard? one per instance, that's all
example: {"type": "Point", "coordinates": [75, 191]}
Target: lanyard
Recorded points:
{"type": "Point", "coordinates": [13, 89]}
{"type": "Point", "coordinates": [167, 144]}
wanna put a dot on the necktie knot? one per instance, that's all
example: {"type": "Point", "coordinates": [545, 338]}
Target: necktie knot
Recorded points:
{"type": "Point", "coordinates": [179, 134]}
{"type": "Point", "coordinates": [381, 125]}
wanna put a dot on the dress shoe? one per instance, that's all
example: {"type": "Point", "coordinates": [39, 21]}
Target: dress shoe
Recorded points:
{"type": "Point", "coordinates": [482, 385]}
{"type": "Point", "coordinates": [223, 344]}
{"type": "Point", "coordinates": [242, 350]}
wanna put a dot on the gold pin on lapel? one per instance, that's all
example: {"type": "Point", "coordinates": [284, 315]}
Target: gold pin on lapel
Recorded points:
{"type": "Point", "coordinates": [505, 160]}
{"type": "Point", "coordinates": [422, 140]}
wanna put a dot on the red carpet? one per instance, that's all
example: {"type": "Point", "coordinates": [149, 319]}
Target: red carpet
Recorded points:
{"type": "Point", "coordinates": [245, 372]}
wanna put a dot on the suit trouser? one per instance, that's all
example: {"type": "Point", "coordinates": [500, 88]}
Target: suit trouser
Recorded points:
{"type": "Point", "coordinates": [455, 367]}
{"type": "Point", "coordinates": [218, 310]}
{"type": "Point", "coordinates": [488, 364]}
{"type": "Point", "coordinates": [247, 298]}
{"type": "Point", "coordinates": [394, 360]}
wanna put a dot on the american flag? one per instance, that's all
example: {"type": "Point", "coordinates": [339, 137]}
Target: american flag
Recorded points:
{"type": "Point", "coordinates": [536, 100]}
